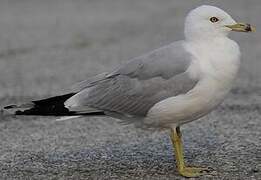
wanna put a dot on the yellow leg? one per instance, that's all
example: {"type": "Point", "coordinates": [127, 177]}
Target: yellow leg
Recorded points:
{"type": "Point", "coordinates": [178, 147]}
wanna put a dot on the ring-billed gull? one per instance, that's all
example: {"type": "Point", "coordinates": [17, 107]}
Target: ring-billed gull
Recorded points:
{"type": "Point", "coordinates": [163, 89]}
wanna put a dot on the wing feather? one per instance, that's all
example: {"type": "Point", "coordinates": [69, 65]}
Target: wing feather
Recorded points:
{"type": "Point", "coordinates": [133, 88]}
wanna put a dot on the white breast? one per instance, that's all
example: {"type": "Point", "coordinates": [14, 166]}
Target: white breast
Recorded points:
{"type": "Point", "coordinates": [216, 70]}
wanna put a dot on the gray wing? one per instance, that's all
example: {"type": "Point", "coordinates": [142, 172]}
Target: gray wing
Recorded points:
{"type": "Point", "coordinates": [92, 81]}
{"type": "Point", "coordinates": [164, 62]}
{"type": "Point", "coordinates": [136, 86]}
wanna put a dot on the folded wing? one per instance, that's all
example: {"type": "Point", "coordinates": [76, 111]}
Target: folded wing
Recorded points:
{"type": "Point", "coordinates": [133, 88]}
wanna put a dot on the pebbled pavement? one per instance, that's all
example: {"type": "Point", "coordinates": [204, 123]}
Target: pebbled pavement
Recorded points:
{"type": "Point", "coordinates": [46, 46]}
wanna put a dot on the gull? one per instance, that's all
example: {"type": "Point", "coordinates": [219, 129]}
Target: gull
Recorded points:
{"type": "Point", "coordinates": [163, 89]}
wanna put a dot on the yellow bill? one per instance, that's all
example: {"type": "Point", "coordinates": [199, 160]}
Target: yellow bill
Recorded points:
{"type": "Point", "coordinates": [241, 27]}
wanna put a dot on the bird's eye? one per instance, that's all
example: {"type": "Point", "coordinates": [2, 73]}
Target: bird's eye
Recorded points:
{"type": "Point", "coordinates": [214, 19]}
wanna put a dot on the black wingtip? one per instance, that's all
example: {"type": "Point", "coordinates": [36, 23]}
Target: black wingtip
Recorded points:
{"type": "Point", "coordinates": [53, 106]}
{"type": "Point", "coordinates": [10, 107]}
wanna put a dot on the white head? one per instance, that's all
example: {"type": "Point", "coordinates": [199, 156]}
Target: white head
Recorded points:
{"type": "Point", "coordinates": [209, 21]}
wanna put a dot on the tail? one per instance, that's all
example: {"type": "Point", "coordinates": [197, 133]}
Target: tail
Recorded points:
{"type": "Point", "coordinates": [53, 106]}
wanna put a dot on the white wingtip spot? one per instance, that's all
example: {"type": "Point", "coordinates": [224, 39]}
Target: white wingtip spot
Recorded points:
{"type": "Point", "coordinates": [67, 118]}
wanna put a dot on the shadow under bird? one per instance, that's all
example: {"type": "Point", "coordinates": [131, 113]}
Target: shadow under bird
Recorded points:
{"type": "Point", "coordinates": [163, 89]}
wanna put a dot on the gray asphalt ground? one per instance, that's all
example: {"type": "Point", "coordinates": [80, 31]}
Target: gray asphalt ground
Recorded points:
{"type": "Point", "coordinates": [46, 46]}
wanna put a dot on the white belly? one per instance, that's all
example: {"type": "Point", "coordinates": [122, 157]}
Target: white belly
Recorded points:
{"type": "Point", "coordinates": [185, 108]}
